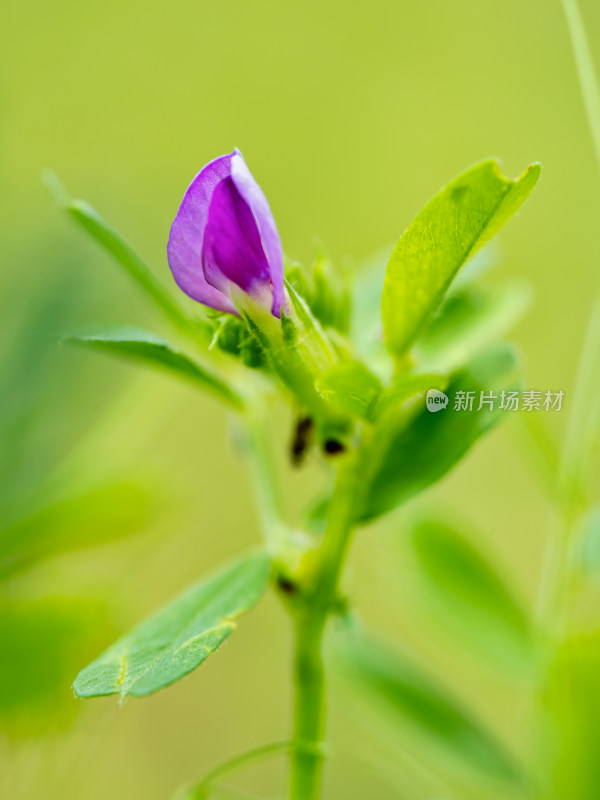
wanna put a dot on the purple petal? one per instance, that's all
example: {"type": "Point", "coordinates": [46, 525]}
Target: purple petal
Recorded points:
{"type": "Point", "coordinates": [254, 196]}
{"type": "Point", "coordinates": [224, 234]}
{"type": "Point", "coordinates": [184, 250]}
{"type": "Point", "coordinates": [233, 251]}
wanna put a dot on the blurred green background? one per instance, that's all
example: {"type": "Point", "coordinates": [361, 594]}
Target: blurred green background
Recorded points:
{"type": "Point", "coordinates": [351, 115]}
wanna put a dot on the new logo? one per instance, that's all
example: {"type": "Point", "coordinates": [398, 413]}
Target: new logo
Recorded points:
{"type": "Point", "coordinates": [436, 400]}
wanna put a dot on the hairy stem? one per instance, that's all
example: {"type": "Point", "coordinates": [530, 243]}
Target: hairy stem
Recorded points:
{"type": "Point", "coordinates": [311, 618]}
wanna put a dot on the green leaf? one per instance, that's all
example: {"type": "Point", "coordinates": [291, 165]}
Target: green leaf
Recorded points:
{"type": "Point", "coordinates": [350, 387]}
{"type": "Point", "coordinates": [409, 453]}
{"type": "Point", "coordinates": [399, 692]}
{"type": "Point", "coordinates": [456, 223]}
{"type": "Point", "coordinates": [131, 342]}
{"type": "Point", "coordinates": [468, 593]}
{"type": "Point", "coordinates": [468, 321]}
{"type": "Point", "coordinates": [176, 640]}
{"type": "Point", "coordinates": [106, 236]}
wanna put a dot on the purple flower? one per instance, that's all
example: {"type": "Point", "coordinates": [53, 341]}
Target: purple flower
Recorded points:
{"type": "Point", "coordinates": [224, 234]}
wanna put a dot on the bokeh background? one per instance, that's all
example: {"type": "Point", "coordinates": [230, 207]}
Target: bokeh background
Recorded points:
{"type": "Point", "coordinates": [119, 487]}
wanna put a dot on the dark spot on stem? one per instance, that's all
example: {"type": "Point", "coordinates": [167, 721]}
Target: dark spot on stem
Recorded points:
{"type": "Point", "coordinates": [332, 447]}
{"type": "Point", "coordinates": [301, 440]}
{"type": "Point", "coordinates": [286, 585]}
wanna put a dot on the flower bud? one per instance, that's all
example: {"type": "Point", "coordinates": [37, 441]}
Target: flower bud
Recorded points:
{"type": "Point", "coordinates": [224, 236]}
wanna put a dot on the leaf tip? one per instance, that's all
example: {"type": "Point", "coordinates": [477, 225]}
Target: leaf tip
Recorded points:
{"type": "Point", "coordinates": [54, 185]}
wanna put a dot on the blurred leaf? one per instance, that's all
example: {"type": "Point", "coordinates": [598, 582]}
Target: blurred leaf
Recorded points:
{"type": "Point", "coordinates": [366, 299]}
{"type": "Point", "coordinates": [106, 236]}
{"type": "Point", "coordinates": [325, 290]}
{"type": "Point", "coordinates": [408, 454]}
{"type": "Point", "coordinates": [42, 642]}
{"type": "Point", "coordinates": [467, 591]}
{"type": "Point", "coordinates": [589, 543]}
{"type": "Point", "coordinates": [135, 343]}
{"type": "Point", "coordinates": [577, 467]}
{"type": "Point", "coordinates": [177, 639]}
{"type": "Point", "coordinates": [101, 514]}
{"type": "Point", "coordinates": [400, 692]}
{"type": "Point", "coordinates": [330, 299]}
{"type": "Point", "coordinates": [458, 221]}
{"type": "Point", "coordinates": [35, 432]}
{"type": "Point", "coordinates": [405, 387]}
{"type": "Point", "coordinates": [571, 730]}
{"type": "Point", "coordinates": [540, 441]}
{"type": "Point", "coordinates": [468, 321]}
{"type": "Point", "coordinates": [350, 387]}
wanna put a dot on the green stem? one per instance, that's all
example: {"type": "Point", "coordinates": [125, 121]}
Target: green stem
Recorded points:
{"type": "Point", "coordinates": [582, 424]}
{"type": "Point", "coordinates": [311, 615]}
{"type": "Point", "coordinates": [580, 433]}
{"type": "Point", "coordinates": [309, 708]}
{"type": "Point", "coordinates": [311, 619]}
{"type": "Point", "coordinates": [588, 81]}
{"type": "Point", "coordinates": [559, 574]}
{"type": "Point", "coordinates": [557, 578]}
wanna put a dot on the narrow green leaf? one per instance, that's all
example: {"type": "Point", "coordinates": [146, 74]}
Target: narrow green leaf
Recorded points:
{"type": "Point", "coordinates": [467, 322]}
{"type": "Point", "coordinates": [112, 241]}
{"type": "Point", "coordinates": [458, 221]}
{"type": "Point", "coordinates": [131, 342]}
{"type": "Point", "coordinates": [469, 594]}
{"type": "Point", "coordinates": [176, 640]}
{"type": "Point", "coordinates": [409, 453]}
{"type": "Point", "coordinates": [350, 387]}
{"type": "Point", "coordinates": [399, 692]}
